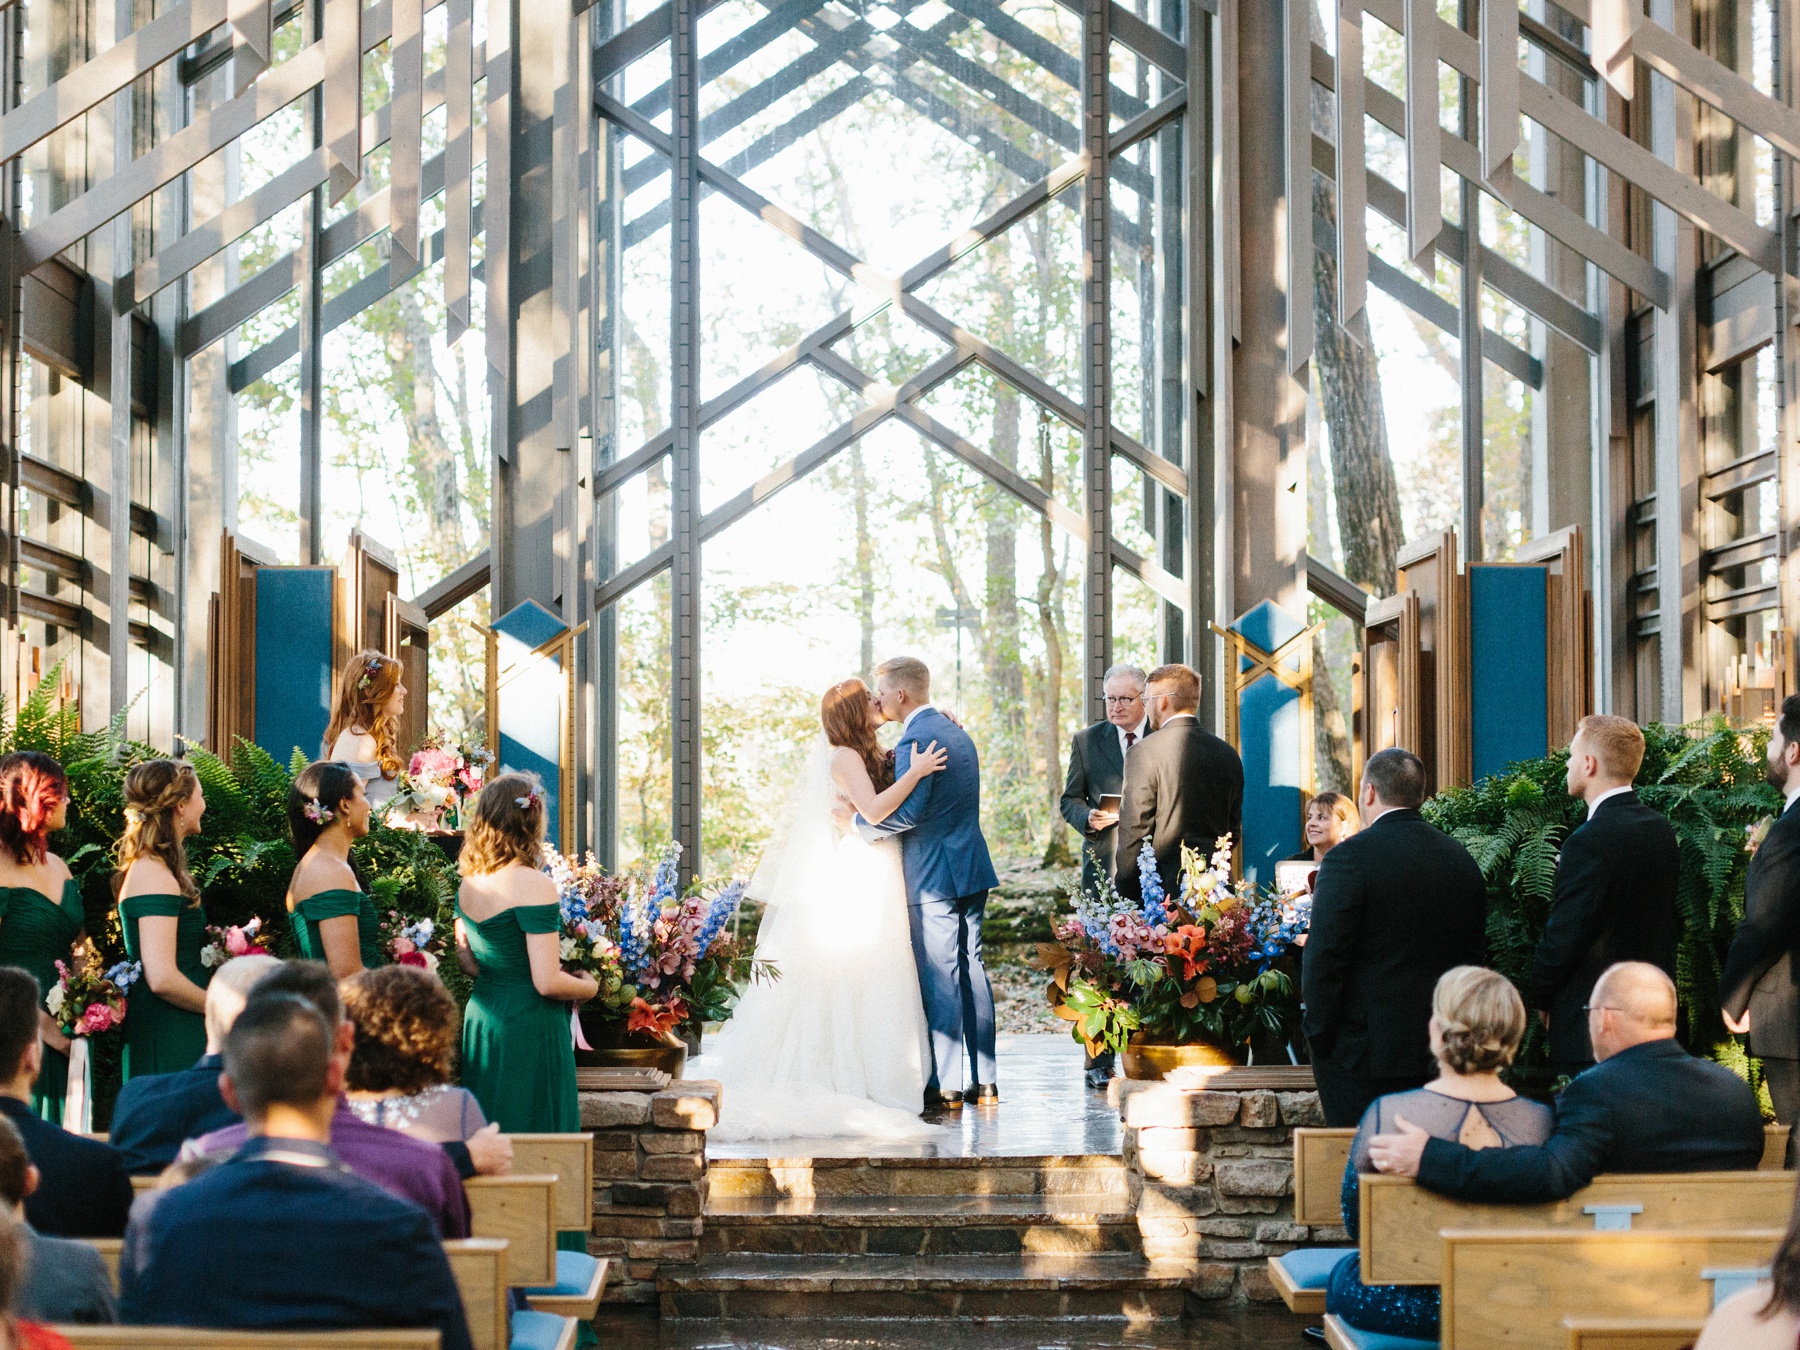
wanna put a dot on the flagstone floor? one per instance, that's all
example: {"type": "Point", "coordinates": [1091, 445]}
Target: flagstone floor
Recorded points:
{"type": "Point", "coordinates": [1046, 1109]}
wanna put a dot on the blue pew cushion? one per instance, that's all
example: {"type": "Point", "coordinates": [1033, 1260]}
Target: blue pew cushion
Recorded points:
{"type": "Point", "coordinates": [574, 1273]}
{"type": "Point", "coordinates": [1311, 1267]}
{"type": "Point", "coordinates": [536, 1331]}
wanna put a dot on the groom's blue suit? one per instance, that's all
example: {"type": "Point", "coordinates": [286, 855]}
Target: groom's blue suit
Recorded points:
{"type": "Point", "coordinates": [948, 876]}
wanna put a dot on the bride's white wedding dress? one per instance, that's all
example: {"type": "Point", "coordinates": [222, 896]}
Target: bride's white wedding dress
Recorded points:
{"type": "Point", "coordinates": [836, 1046]}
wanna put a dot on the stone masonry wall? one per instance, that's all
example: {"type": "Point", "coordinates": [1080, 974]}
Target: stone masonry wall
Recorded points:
{"type": "Point", "coordinates": [649, 1180]}
{"type": "Point", "coordinates": [1212, 1179]}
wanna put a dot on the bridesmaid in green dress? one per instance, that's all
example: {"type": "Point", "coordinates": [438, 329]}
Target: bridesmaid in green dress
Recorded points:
{"type": "Point", "coordinates": [40, 902]}
{"type": "Point", "coordinates": [163, 923]}
{"type": "Point", "coordinates": [517, 1055]}
{"type": "Point", "coordinates": [334, 919]}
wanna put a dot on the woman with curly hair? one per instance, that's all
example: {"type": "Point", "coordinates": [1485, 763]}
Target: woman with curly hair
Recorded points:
{"type": "Point", "coordinates": [40, 902]}
{"type": "Point", "coordinates": [161, 918]}
{"type": "Point", "coordinates": [517, 1056]}
{"type": "Point", "coordinates": [334, 920]}
{"type": "Point", "coordinates": [405, 1056]}
{"type": "Point", "coordinates": [1477, 1022]}
{"type": "Point", "coordinates": [364, 731]}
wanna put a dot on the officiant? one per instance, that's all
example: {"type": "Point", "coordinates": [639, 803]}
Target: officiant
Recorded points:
{"type": "Point", "coordinates": [1090, 799]}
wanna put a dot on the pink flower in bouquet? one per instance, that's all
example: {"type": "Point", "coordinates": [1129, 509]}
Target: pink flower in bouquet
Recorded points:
{"type": "Point", "coordinates": [98, 1017]}
{"type": "Point", "coordinates": [403, 948]}
{"type": "Point", "coordinates": [433, 762]}
{"type": "Point", "coordinates": [470, 778]}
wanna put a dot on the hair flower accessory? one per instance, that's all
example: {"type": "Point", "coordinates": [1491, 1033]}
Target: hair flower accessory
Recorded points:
{"type": "Point", "coordinates": [316, 811]}
{"type": "Point", "coordinates": [533, 798]}
{"type": "Point", "coordinates": [134, 815]}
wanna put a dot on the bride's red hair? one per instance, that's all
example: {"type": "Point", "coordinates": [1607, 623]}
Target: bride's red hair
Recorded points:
{"type": "Point", "coordinates": [844, 713]}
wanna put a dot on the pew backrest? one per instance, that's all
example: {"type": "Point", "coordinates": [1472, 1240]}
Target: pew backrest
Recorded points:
{"type": "Point", "coordinates": [1775, 1142]}
{"type": "Point", "coordinates": [1320, 1157]}
{"type": "Point", "coordinates": [1401, 1220]}
{"type": "Point", "coordinates": [1632, 1333]}
{"type": "Point", "coordinates": [190, 1338]}
{"type": "Point", "coordinates": [110, 1250]}
{"type": "Point", "coordinates": [1513, 1288]}
{"type": "Point", "coordinates": [479, 1266]}
{"type": "Point", "coordinates": [521, 1210]}
{"type": "Point", "coordinates": [570, 1159]}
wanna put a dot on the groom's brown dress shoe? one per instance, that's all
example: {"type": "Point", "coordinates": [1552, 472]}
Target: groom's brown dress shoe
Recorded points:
{"type": "Point", "coordinates": [946, 1101]}
{"type": "Point", "coordinates": [986, 1094]}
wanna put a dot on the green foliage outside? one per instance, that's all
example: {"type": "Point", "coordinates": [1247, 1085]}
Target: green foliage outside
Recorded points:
{"type": "Point", "coordinates": [1707, 778]}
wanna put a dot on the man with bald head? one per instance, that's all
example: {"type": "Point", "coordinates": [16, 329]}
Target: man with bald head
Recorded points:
{"type": "Point", "coordinates": [1646, 1106]}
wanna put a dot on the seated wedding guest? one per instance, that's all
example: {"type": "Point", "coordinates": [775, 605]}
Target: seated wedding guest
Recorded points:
{"type": "Point", "coordinates": [284, 1236]}
{"type": "Point", "coordinates": [405, 1056]}
{"type": "Point", "coordinates": [18, 1332]}
{"type": "Point", "coordinates": [423, 1173]}
{"type": "Point", "coordinates": [1615, 887]}
{"type": "Point", "coordinates": [64, 1280]}
{"type": "Point", "coordinates": [364, 731]}
{"type": "Point", "coordinates": [1394, 907]}
{"type": "Point", "coordinates": [1477, 1022]}
{"type": "Point", "coordinates": [1766, 1316]}
{"type": "Point", "coordinates": [155, 1113]}
{"type": "Point", "coordinates": [1647, 1106]}
{"type": "Point", "coordinates": [334, 919]}
{"type": "Point", "coordinates": [84, 1191]}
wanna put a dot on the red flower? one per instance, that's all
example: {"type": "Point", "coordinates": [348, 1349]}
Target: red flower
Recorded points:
{"type": "Point", "coordinates": [658, 1021]}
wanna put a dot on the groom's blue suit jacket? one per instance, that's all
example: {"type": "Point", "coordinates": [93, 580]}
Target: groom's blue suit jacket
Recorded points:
{"type": "Point", "coordinates": [939, 823]}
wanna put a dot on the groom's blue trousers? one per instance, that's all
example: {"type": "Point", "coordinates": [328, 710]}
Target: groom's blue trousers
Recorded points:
{"type": "Point", "coordinates": [959, 1001]}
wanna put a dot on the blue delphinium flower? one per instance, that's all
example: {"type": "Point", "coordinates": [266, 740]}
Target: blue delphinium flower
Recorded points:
{"type": "Point", "coordinates": [634, 937]}
{"type": "Point", "coordinates": [125, 974]}
{"type": "Point", "coordinates": [1155, 912]}
{"type": "Point", "coordinates": [718, 913]}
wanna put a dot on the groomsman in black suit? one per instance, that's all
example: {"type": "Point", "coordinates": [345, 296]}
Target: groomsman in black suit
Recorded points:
{"type": "Point", "coordinates": [1757, 991]}
{"type": "Point", "coordinates": [1395, 906]}
{"type": "Point", "coordinates": [1097, 771]}
{"type": "Point", "coordinates": [1615, 887]}
{"type": "Point", "coordinates": [1183, 785]}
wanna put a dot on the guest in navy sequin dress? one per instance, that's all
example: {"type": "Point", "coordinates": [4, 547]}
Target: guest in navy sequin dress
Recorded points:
{"type": "Point", "coordinates": [1477, 1022]}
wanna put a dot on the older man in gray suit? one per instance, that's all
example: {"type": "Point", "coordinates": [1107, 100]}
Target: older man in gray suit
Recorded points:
{"type": "Point", "coordinates": [1097, 772]}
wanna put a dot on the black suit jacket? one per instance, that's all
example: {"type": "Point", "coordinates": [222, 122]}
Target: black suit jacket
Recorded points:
{"type": "Point", "coordinates": [1756, 977]}
{"type": "Point", "coordinates": [156, 1113]}
{"type": "Point", "coordinates": [84, 1191]}
{"type": "Point", "coordinates": [1182, 786]}
{"type": "Point", "coordinates": [1652, 1108]}
{"type": "Point", "coordinates": [1096, 768]}
{"type": "Point", "coordinates": [1394, 907]}
{"type": "Point", "coordinates": [1615, 901]}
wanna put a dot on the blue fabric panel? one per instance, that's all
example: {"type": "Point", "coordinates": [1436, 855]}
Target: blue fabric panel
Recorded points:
{"type": "Point", "coordinates": [536, 1330]}
{"type": "Point", "coordinates": [574, 1272]}
{"type": "Point", "coordinates": [1508, 666]}
{"type": "Point", "coordinates": [293, 659]}
{"type": "Point", "coordinates": [1311, 1267]}
{"type": "Point", "coordinates": [530, 623]}
{"type": "Point", "coordinates": [1269, 742]}
{"type": "Point", "coordinates": [531, 699]}
{"type": "Point", "coordinates": [1372, 1340]}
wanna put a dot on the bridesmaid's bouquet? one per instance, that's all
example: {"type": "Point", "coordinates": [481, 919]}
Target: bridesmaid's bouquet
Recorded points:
{"type": "Point", "coordinates": [436, 782]}
{"type": "Point", "coordinates": [89, 998]}
{"type": "Point", "coordinates": [223, 943]}
{"type": "Point", "coordinates": [409, 942]}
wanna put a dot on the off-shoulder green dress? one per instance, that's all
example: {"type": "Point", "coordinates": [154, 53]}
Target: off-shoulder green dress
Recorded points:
{"type": "Point", "coordinates": [517, 1056]}
{"type": "Point", "coordinates": [315, 909]}
{"type": "Point", "coordinates": [35, 933]}
{"type": "Point", "coordinates": [160, 1037]}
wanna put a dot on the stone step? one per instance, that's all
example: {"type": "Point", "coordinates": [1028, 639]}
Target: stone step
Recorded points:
{"type": "Point", "coordinates": [1100, 1286]}
{"type": "Point", "coordinates": [803, 1177]}
{"type": "Point", "coordinates": [921, 1225]}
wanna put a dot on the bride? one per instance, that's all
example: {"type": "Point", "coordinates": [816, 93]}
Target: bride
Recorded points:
{"type": "Point", "coordinates": [837, 1045]}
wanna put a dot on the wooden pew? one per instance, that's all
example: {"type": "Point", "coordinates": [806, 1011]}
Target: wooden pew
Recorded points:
{"type": "Point", "coordinates": [480, 1268]}
{"type": "Point", "coordinates": [1512, 1288]}
{"type": "Point", "coordinates": [189, 1338]}
{"type": "Point", "coordinates": [520, 1210]}
{"type": "Point", "coordinates": [1401, 1220]}
{"type": "Point", "coordinates": [1633, 1333]}
{"type": "Point", "coordinates": [109, 1249]}
{"type": "Point", "coordinates": [580, 1284]}
{"type": "Point", "coordinates": [1775, 1142]}
{"type": "Point", "coordinates": [1320, 1157]}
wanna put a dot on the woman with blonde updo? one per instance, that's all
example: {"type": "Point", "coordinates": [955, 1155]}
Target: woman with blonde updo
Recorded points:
{"type": "Point", "coordinates": [1477, 1022]}
{"type": "Point", "coordinates": [517, 1056]}
{"type": "Point", "coordinates": [334, 919]}
{"type": "Point", "coordinates": [364, 731]}
{"type": "Point", "coordinates": [40, 902]}
{"type": "Point", "coordinates": [160, 915]}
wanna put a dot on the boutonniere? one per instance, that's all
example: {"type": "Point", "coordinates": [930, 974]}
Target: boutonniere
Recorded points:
{"type": "Point", "coordinates": [1755, 834]}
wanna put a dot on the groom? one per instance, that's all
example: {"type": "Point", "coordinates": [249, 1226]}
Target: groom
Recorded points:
{"type": "Point", "coordinates": [948, 876]}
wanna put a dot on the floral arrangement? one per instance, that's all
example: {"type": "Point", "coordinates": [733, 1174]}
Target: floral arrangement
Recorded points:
{"type": "Point", "coordinates": [409, 942]}
{"type": "Point", "coordinates": [234, 940]}
{"type": "Point", "coordinates": [436, 782]}
{"type": "Point", "coordinates": [1215, 965]}
{"type": "Point", "coordinates": [88, 997]}
{"type": "Point", "coordinates": [663, 959]}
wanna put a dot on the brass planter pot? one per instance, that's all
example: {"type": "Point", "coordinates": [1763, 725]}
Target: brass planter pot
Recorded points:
{"type": "Point", "coordinates": [1151, 1062]}
{"type": "Point", "coordinates": [671, 1059]}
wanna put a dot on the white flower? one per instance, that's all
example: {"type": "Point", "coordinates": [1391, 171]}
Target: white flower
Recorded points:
{"type": "Point", "coordinates": [55, 1001]}
{"type": "Point", "coordinates": [211, 956]}
{"type": "Point", "coordinates": [431, 961]}
{"type": "Point", "coordinates": [566, 949]}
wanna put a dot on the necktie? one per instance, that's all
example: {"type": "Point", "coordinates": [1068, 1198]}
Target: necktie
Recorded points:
{"type": "Point", "coordinates": [1130, 739]}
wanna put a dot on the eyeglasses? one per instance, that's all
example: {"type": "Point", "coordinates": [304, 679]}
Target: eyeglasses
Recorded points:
{"type": "Point", "coordinates": [1115, 700]}
{"type": "Point", "coordinates": [1599, 1007]}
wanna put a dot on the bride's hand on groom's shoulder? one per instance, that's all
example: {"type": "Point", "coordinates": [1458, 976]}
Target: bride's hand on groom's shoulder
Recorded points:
{"type": "Point", "coordinates": [950, 714]}
{"type": "Point", "coordinates": [928, 759]}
